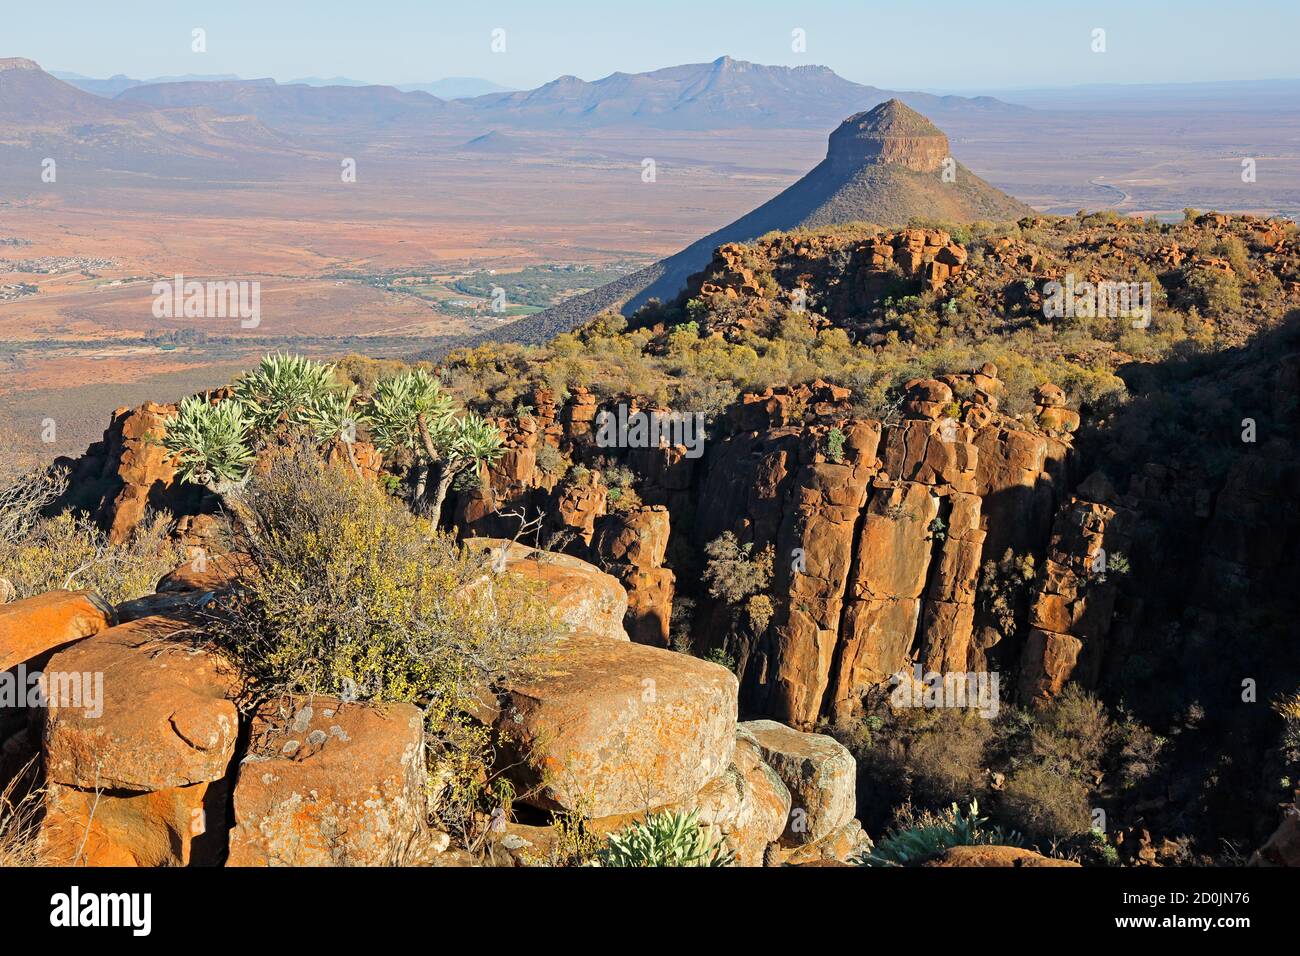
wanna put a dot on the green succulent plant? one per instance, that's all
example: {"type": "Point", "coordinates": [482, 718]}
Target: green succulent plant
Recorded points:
{"type": "Point", "coordinates": [410, 411]}
{"type": "Point", "coordinates": [668, 838]}
{"type": "Point", "coordinates": [210, 443]}
{"type": "Point", "coordinates": [285, 388]}
{"type": "Point", "coordinates": [931, 834]}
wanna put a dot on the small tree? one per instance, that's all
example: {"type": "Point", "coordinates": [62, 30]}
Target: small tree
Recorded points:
{"type": "Point", "coordinates": [332, 420]}
{"type": "Point", "coordinates": [410, 411]}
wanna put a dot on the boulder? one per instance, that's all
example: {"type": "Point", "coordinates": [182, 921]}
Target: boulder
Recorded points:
{"type": "Point", "coordinates": [580, 596]}
{"type": "Point", "coordinates": [608, 727]}
{"type": "Point", "coordinates": [206, 572]}
{"type": "Point", "coordinates": [749, 805]}
{"type": "Point", "coordinates": [139, 734]}
{"type": "Point", "coordinates": [993, 856]}
{"type": "Point", "coordinates": [820, 773]}
{"type": "Point", "coordinates": [35, 625]}
{"type": "Point", "coordinates": [166, 716]}
{"type": "Point", "coordinates": [638, 538]}
{"type": "Point", "coordinates": [1283, 847]}
{"type": "Point", "coordinates": [330, 784]}
{"type": "Point", "coordinates": [842, 847]}
{"type": "Point", "coordinates": [177, 826]}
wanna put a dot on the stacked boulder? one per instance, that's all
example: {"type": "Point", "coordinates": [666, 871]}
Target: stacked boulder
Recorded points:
{"type": "Point", "coordinates": [138, 741]}
{"type": "Point", "coordinates": [616, 730]}
{"type": "Point", "coordinates": [631, 546]}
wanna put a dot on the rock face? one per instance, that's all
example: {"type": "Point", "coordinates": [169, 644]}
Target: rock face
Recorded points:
{"type": "Point", "coordinates": [139, 735]}
{"type": "Point", "coordinates": [890, 133]}
{"type": "Point", "coordinates": [615, 727]}
{"type": "Point", "coordinates": [879, 533]}
{"type": "Point", "coordinates": [1072, 610]}
{"type": "Point", "coordinates": [330, 784]}
{"type": "Point", "coordinates": [579, 595]}
{"type": "Point", "coordinates": [35, 625]}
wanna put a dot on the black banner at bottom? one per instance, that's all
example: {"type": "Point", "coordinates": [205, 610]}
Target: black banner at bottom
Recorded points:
{"type": "Point", "coordinates": [142, 907]}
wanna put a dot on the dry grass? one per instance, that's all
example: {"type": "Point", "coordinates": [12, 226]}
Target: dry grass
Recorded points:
{"type": "Point", "coordinates": [20, 811]}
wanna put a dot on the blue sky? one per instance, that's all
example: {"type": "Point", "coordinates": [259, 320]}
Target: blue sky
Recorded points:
{"type": "Point", "coordinates": [959, 45]}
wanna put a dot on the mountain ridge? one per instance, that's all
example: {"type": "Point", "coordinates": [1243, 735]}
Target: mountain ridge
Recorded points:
{"type": "Point", "coordinates": [886, 166]}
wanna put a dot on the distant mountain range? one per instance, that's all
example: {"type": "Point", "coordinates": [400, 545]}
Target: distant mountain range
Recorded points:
{"type": "Point", "coordinates": [118, 82]}
{"type": "Point", "coordinates": [885, 166]}
{"type": "Point", "coordinates": [39, 111]}
{"type": "Point", "coordinates": [293, 109]}
{"type": "Point", "coordinates": [448, 88]}
{"type": "Point", "coordinates": [723, 94]}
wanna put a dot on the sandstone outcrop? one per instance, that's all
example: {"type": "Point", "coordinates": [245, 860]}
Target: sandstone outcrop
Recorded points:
{"type": "Point", "coordinates": [994, 856]}
{"type": "Point", "coordinates": [35, 625]}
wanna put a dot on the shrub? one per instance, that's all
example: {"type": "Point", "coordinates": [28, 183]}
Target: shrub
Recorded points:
{"type": "Point", "coordinates": [733, 573]}
{"type": "Point", "coordinates": [551, 461]}
{"type": "Point", "coordinates": [759, 610]}
{"type": "Point", "coordinates": [1213, 292]}
{"type": "Point", "coordinates": [23, 495]}
{"type": "Point", "coordinates": [918, 837]}
{"type": "Point", "coordinates": [835, 445]}
{"type": "Point", "coordinates": [1003, 590]}
{"type": "Point", "coordinates": [1046, 803]}
{"type": "Point", "coordinates": [1072, 731]}
{"type": "Point", "coordinates": [70, 551]}
{"type": "Point", "coordinates": [352, 595]}
{"type": "Point", "coordinates": [668, 838]}
{"type": "Point", "coordinates": [719, 656]}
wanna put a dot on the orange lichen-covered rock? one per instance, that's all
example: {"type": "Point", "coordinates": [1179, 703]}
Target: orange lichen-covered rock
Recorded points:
{"type": "Point", "coordinates": [139, 734]}
{"type": "Point", "coordinates": [176, 826]}
{"type": "Point", "coordinates": [994, 856]}
{"type": "Point", "coordinates": [34, 625]}
{"type": "Point", "coordinates": [579, 595]}
{"type": "Point", "coordinates": [328, 783]}
{"type": "Point", "coordinates": [611, 727]}
{"type": "Point", "coordinates": [161, 717]}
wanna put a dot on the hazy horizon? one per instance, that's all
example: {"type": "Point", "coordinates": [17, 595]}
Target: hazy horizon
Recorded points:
{"type": "Point", "coordinates": [888, 45]}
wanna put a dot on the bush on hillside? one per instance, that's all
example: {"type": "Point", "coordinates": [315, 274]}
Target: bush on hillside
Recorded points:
{"type": "Point", "coordinates": [352, 595]}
